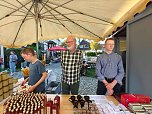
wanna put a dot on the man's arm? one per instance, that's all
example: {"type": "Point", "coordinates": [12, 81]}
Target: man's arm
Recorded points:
{"type": "Point", "coordinates": [100, 76]}
{"type": "Point", "coordinates": [25, 81]}
{"type": "Point", "coordinates": [119, 77]}
{"type": "Point", "coordinates": [120, 73]}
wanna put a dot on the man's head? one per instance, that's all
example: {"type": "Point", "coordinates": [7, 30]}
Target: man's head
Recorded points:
{"type": "Point", "coordinates": [71, 43]}
{"type": "Point", "coordinates": [28, 54]}
{"type": "Point", "coordinates": [109, 44]}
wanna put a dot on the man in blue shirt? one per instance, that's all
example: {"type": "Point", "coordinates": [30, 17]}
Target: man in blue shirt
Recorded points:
{"type": "Point", "coordinates": [109, 70]}
{"type": "Point", "coordinates": [37, 71]}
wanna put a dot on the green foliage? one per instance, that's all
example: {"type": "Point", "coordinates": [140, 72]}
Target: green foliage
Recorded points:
{"type": "Point", "coordinates": [33, 46]}
{"type": "Point", "coordinates": [91, 73]}
{"type": "Point", "coordinates": [98, 53]}
{"type": "Point", "coordinates": [89, 54]}
{"type": "Point", "coordinates": [17, 52]}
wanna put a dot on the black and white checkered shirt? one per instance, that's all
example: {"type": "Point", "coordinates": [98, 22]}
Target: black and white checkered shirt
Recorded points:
{"type": "Point", "coordinates": [71, 65]}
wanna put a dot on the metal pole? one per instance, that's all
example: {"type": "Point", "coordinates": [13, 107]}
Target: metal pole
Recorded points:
{"type": "Point", "coordinates": [36, 23]}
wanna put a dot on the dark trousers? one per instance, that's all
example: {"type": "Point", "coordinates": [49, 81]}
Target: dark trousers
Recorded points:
{"type": "Point", "coordinates": [67, 88]}
{"type": "Point", "coordinates": [101, 88]}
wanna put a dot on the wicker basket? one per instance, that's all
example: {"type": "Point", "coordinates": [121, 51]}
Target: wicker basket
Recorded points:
{"type": "Point", "coordinates": [4, 76]}
{"type": "Point", "coordinates": [1, 91]}
{"type": "Point", "coordinates": [6, 89]}
{"type": "Point", "coordinates": [1, 97]}
{"type": "Point", "coordinates": [10, 80]}
{"type": "Point", "coordinates": [5, 95]}
{"type": "Point", "coordinates": [1, 85]}
{"type": "Point", "coordinates": [5, 82]}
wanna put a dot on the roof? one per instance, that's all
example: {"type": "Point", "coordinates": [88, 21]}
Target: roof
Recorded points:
{"type": "Point", "coordinates": [84, 45]}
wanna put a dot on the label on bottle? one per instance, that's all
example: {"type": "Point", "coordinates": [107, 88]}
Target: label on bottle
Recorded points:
{"type": "Point", "coordinates": [38, 112]}
{"type": "Point", "coordinates": [48, 110]}
{"type": "Point", "coordinates": [42, 110]}
{"type": "Point", "coordinates": [54, 112]}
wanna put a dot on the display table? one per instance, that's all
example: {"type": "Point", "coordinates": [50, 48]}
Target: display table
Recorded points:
{"type": "Point", "coordinates": [65, 105]}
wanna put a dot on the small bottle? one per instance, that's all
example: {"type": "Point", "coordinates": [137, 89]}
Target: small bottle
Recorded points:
{"type": "Point", "coordinates": [38, 108]}
{"type": "Point", "coordinates": [57, 98]}
{"type": "Point", "coordinates": [17, 111]}
{"type": "Point", "coordinates": [49, 106]}
{"type": "Point", "coordinates": [55, 108]}
{"type": "Point", "coordinates": [35, 110]}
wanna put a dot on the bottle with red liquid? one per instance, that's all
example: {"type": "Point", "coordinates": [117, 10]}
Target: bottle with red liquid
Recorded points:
{"type": "Point", "coordinates": [55, 108]}
{"type": "Point", "coordinates": [49, 106]}
{"type": "Point", "coordinates": [57, 100]}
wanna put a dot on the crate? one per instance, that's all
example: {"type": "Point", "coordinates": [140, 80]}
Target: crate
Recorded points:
{"type": "Point", "coordinates": [134, 98]}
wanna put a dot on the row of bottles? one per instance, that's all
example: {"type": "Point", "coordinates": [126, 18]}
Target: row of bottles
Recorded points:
{"type": "Point", "coordinates": [53, 108]}
{"type": "Point", "coordinates": [31, 103]}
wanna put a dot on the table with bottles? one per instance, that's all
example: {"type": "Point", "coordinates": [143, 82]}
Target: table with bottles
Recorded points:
{"type": "Point", "coordinates": [66, 106]}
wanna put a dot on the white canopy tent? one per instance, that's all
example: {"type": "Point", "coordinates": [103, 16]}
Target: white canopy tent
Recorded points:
{"type": "Point", "coordinates": [23, 22]}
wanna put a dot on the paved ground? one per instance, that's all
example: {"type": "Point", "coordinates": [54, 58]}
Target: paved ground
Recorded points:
{"type": "Point", "coordinates": [87, 85]}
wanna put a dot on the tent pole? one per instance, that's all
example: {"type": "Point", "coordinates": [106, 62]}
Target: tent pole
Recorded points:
{"type": "Point", "coordinates": [36, 23]}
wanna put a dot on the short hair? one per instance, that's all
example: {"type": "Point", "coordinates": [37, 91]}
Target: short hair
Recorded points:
{"type": "Point", "coordinates": [73, 38]}
{"type": "Point", "coordinates": [109, 39]}
{"type": "Point", "coordinates": [27, 51]}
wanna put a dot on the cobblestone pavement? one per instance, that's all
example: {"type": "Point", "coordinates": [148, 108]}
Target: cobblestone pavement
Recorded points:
{"type": "Point", "coordinates": [88, 85]}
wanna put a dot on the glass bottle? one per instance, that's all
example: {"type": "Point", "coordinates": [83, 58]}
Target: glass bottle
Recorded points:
{"type": "Point", "coordinates": [49, 106]}
{"type": "Point", "coordinates": [57, 98]}
{"type": "Point", "coordinates": [55, 108]}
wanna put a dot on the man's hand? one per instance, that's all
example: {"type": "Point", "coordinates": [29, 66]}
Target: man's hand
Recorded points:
{"type": "Point", "coordinates": [110, 91]}
{"type": "Point", "coordinates": [105, 82]}
{"type": "Point", "coordinates": [111, 85]}
{"type": "Point", "coordinates": [31, 89]}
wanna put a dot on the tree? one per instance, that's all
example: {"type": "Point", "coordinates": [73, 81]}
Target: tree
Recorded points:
{"type": "Point", "coordinates": [33, 46]}
{"type": "Point", "coordinates": [95, 46]}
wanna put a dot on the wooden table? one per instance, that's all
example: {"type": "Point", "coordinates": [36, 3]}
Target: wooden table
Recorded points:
{"type": "Point", "coordinates": [66, 107]}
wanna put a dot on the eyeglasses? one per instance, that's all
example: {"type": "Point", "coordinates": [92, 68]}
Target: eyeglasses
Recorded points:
{"type": "Point", "coordinates": [69, 42]}
{"type": "Point", "coordinates": [110, 44]}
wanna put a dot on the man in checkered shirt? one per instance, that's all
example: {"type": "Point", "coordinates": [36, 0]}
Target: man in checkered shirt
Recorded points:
{"type": "Point", "coordinates": [71, 61]}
